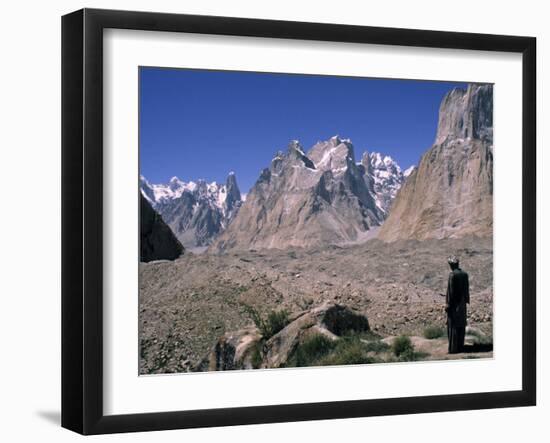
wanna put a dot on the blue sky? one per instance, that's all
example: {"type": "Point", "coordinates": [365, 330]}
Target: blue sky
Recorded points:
{"type": "Point", "coordinates": [202, 124]}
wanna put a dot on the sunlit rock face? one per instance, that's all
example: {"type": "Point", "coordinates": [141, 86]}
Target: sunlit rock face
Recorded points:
{"type": "Point", "coordinates": [305, 199]}
{"type": "Point", "coordinates": [450, 194]}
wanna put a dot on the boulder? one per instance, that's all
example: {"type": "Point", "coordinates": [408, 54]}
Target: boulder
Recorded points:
{"type": "Point", "coordinates": [247, 349]}
{"type": "Point", "coordinates": [331, 320]}
{"type": "Point", "coordinates": [233, 350]}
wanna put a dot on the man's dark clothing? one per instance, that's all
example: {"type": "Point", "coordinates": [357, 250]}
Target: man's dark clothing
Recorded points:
{"type": "Point", "coordinates": [458, 294]}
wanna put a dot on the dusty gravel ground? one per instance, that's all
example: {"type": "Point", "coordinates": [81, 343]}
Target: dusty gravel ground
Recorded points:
{"type": "Point", "coordinates": [187, 304]}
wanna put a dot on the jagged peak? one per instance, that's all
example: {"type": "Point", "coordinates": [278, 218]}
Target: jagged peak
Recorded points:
{"type": "Point", "coordinates": [337, 140]}
{"type": "Point", "coordinates": [296, 146]}
{"type": "Point", "coordinates": [295, 151]}
{"type": "Point", "coordinates": [144, 181]}
{"type": "Point", "coordinates": [324, 154]}
{"type": "Point", "coordinates": [226, 197]}
{"type": "Point", "coordinates": [378, 160]}
{"type": "Point", "coordinates": [231, 178]}
{"type": "Point", "coordinates": [409, 171]}
{"type": "Point", "coordinates": [231, 185]}
{"type": "Point", "coordinates": [176, 184]}
{"type": "Point", "coordinates": [466, 113]}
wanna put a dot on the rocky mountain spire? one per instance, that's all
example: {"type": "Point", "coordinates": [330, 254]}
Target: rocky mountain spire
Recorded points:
{"type": "Point", "coordinates": [232, 193]}
{"type": "Point", "coordinates": [450, 194]}
{"type": "Point", "coordinates": [466, 113]}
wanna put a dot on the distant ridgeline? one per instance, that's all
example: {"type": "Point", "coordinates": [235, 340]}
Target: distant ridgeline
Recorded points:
{"type": "Point", "coordinates": [196, 212]}
{"type": "Point", "coordinates": [324, 196]}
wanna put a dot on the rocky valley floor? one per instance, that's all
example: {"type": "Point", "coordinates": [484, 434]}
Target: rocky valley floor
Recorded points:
{"type": "Point", "coordinates": [188, 304]}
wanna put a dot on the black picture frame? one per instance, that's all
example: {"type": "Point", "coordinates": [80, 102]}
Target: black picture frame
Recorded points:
{"type": "Point", "coordinates": [82, 215]}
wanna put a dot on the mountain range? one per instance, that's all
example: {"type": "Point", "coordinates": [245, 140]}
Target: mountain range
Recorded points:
{"type": "Point", "coordinates": [195, 211]}
{"type": "Point", "coordinates": [348, 198]}
{"type": "Point", "coordinates": [324, 196]}
{"type": "Point", "coordinates": [310, 199]}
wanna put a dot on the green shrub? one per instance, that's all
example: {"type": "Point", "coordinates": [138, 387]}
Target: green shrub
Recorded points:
{"type": "Point", "coordinates": [268, 327]}
{"type": "Point", "coordinates": [256, 357]}
{"type": "Point", "coordinates": [432, 332]}
{"type": "Point", "coordinates": [377, 346]}
{"type": "Point", "coordinates": [408, 355]}
{"type": "Point", "coordinates": [311, 350]}
{"type": "Point", "coordinates": [348, 351]}
{"type": "Point", "coordinates": [401, 345]}
{"type": "Point", "coordinates": [319, 350]}
{"type": "Point", "coordinates": [276, 321]}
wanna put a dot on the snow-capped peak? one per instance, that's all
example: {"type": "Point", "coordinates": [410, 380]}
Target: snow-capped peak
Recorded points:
{"type": "Point", "coordinates": [376, 159]}
{"type": "Point", "coordinates": [337, 140]}
{"type": "Point", "coordinates": [384, 178]}
{"type": "Point", "coordinates": [190, 186]}
{"type": "Point", "coordinates": [196, 210]}
{"type": "Point", "coordinates": [388, 161]}
{"type": "Point", "coordinates": [213, 192]}
{"type": "Point", "coordinates": [409, 171]}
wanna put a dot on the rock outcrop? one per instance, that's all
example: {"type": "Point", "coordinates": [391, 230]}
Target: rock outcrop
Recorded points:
{"type": "Point", "coordinates": [233, 350]}
{"type": "Point", "coordinates": [450, 194]}
{"type": "Point", "coordinates": [247, 349]}
{"type": "Point", "coordinates": [157, 242]}
{"type": "Point", "coordinates": [330, 320]}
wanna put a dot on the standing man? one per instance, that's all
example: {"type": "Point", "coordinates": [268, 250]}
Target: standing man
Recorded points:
{"type": "Point", "coordinates": [458, 295]}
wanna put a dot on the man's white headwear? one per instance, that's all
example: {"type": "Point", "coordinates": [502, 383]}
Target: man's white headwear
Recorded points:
{"type": "Point", "coordinates": [453, 260]}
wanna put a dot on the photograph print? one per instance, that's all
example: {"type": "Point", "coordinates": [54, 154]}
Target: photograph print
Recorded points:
{"type": "Point", "coordinates": [291, 220]}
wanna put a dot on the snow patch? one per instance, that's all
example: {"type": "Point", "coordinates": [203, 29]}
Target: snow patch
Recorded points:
{"type": "Point", "coordinates": [409, 171]}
